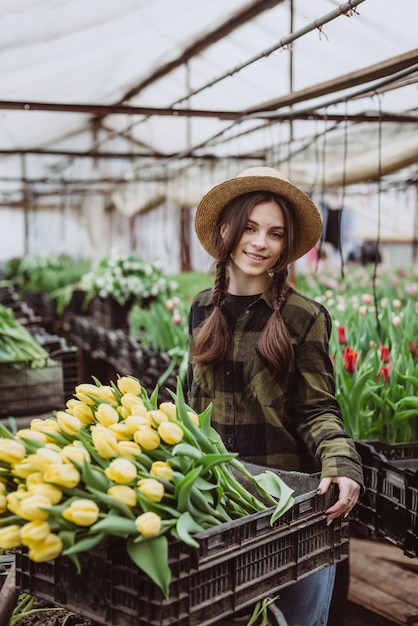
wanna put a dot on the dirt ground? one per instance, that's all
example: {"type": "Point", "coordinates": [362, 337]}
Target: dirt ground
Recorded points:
{"type": "Point", "coordinates": [343, 613]}
{"type": "Point", "coordinates": [354, 616]}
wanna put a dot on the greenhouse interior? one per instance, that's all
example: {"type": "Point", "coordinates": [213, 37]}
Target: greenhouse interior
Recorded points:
{"type": "Point", "coordinates": [120, 503]}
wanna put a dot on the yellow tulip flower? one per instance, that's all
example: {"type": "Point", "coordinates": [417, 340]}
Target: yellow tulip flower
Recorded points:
{"type": "Point", "coordinates": [161, 469]}
{"type": "Point", "coordinates": [11, 451]}
{"type": "Point", "coordinates": [10, 537]}
{"type": "Point", "coordinates": [104, 441]}
{"type": "Point", "coordinates": [46, 550]}
{"type": "Point", "coordinates": [127, 384]}
{"type": "Point", "coordinates": [34, 532]}
{"type": "Point", "coordinates": [147, 438]}
{"type": "Point", "coordinates": [106, 414]}
{"type": "Point", "coordinates": [65, 475]}
{"type": "Point", "coordinates": [170, 433]}
{"type": "Point", "coordinates": [121, 471]}
{"type": "Point", "coordinates": [69, 424]}
{"type": "Point", "coordinates": [148, 524]}
{"type": "Point", "coordinates": [151, 488]}
{"type": "Point", "coordinates": [82, 512]}
{"type": "Point", "coordinates": [124, 494]}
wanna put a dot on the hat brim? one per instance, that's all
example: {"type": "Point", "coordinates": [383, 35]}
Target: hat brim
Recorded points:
{"type": "Point", "coordinates": [308, 218]}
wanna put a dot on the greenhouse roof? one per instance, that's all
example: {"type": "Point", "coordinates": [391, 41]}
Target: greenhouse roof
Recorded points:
{"type": "Point", "coordinates": [177, 94]}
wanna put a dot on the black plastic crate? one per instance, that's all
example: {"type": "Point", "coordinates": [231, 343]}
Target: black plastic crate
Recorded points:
{"type": "Point", "coordinates": [8, 295]}
{"type": "Point", "coordinates": [82, 331]}
{"type": "Point", "coordinates": [388, 508]}
{"type": "Point", "coordinates": [68, 356]}
{"type": "Point", "coordinates": [109, 313]}
{"type": "Point", "coordinates": [43, 305]}
{"type": "Point", "coordinates": [26, 389]}
{"type": "Point", "coordinates": [237, 564]}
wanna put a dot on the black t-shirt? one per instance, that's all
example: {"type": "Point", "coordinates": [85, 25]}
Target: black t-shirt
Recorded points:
{"type": "Point", "coordinates": [235, 305]}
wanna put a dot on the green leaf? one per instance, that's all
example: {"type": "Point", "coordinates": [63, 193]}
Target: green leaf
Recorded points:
{"type": "Point", "coordinates": [196, 433]}
{"type": "Point", "coordinates": [210, 460]}
{"type": "Point", "coordinates": [94, 477]}
{"type": "Point", "coordinates": [112, 503]}
{"type": "Point", "coordinates": [272, 484]}
{"type": "Point", "coordinates": [186, 449]}
{"type": "Point", "coordinates": [411, 401]}
{"type": "Point", "coordinates": [68, 537]}
{"type": "Point", "coordinates": [6, 434]}
{"type": "Point", "coordinates": [186, 525]}
{"type": "Point", "coordinates": [184, 487]}
{"type": "Point", "coordinates": [151, 556]}
{"type": "Point", "coordinates": [85, 544]}
{"type": "Point", "coordinates": [115, 525]}
{"type": "Point", "coordinates": [88, 444]}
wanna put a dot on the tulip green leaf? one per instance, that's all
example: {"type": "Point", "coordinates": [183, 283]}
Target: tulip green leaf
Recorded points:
{"type": "Point", "coordinates": [85, 544]}
{"type": "Point", "coordinates": [94, 477]}
{"type": "Point", "coordinates": [115, 525]}
{"type": "Point", "coordinates": [272, 484]}
{"type": "Point", "coordinates": [112, 503]}
{"type": "Point", "coordinates": [210, 460]}
{"type": "Point", "coordinates": [87, 443]}
{"type": "Point", "coordinates": [5, 433]}
{"type": "Point", "coordinates": [411, 401]}
{"type": "Point", "coordinates": [194, 432]}
{"type": "Point", "coordinates": [68, 538]}
{"type": "Point", "coordinates": [205, 421]}
{"type": "Point", "coordinates": [186, 525]}
{"type": "Point", "coordinates": [184, 487]}
{"type": "Point", "coordinates": [186, 449]}
{"type": "Point", "coordinates": [151, 556]}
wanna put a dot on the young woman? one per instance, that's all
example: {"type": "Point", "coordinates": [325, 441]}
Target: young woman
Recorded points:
{"type": "Point", "coordinates": [259, 352]}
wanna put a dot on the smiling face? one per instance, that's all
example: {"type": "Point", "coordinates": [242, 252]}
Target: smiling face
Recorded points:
{"type": "Point", "coordinates": [258, 249]}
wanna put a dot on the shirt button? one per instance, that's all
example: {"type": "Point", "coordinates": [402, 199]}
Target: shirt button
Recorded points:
{"type": "Point", "coordinates": [228, 407]}
{"type": "Point", "coordinates": [229, 440]}
{"type": "Point", "coordinates": [227, 373]}
{"type": "Point", "coordinates": [247, 311]}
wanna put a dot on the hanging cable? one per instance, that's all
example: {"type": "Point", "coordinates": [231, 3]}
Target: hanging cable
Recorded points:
{"type": "Point", "coordinates": [322, 193]}
{"type": "Point", "coordinates": [343, 189]}
{"type": "Point", "coordinates": [379, 212]}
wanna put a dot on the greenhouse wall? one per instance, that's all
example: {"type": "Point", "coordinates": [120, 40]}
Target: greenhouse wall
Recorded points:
{"type": "Point", "coordinates": [87, 227]}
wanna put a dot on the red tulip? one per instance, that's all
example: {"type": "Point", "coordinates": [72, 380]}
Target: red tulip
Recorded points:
{"type": "Point", "coordinates": [413, 348]}
{"type": "Point", "coordinates": [350, 359]}
{"type": "Point", "coordinates": [342, 337]}
{"type": "Point", "coordinates": [385, 354]}
{"type": "Point", "coordinates": [384, 371]}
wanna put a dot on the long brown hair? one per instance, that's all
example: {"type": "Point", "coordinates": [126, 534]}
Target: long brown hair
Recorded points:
{"type": "Point", "coordinates": [211, 341]}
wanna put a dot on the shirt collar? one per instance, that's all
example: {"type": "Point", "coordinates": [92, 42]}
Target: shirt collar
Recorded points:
{"type": "Point", "coordinates": [266, 296]}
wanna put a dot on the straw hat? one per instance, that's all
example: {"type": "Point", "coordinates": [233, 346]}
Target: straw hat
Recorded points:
{"type": "Point", "coordinates": [308, 219]}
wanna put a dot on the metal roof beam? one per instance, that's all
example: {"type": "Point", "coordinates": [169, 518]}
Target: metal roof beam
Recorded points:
{"type": "Point", "coordinates": [365, 75]}
{"type": "Point", "coordinates": [236, 20]}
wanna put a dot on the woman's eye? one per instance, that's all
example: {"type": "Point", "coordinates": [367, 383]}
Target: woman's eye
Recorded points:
{"type": "Point", "coordinates": [277, 235]}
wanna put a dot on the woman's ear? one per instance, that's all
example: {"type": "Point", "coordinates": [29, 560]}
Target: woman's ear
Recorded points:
{"type": "Point", "coordinates": [223, 231]}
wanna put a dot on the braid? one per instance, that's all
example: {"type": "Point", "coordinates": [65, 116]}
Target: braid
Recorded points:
{"type": "Point", "coordinates": [275, 344]}
{"type": "Point", "coordinates": [280, 286]}
{"type": "Point", "coordinates": [212, 339]}
{"type": "Point", "coordinates": [219, 289]}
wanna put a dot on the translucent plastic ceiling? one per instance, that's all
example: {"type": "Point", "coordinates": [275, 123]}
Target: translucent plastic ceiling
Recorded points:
{"type": "Point", "coordinates": [210, 87]}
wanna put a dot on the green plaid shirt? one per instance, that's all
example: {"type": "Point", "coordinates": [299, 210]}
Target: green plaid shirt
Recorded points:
{"type": "Point", "coordinates": [290, 423]}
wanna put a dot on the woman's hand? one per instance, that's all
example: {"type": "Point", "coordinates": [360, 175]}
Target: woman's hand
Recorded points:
{"type": "Point", "coordinates": [349, 491]}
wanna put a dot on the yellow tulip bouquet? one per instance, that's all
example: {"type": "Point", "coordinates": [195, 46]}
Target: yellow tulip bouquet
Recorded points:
{"type": "Point", "coordinates": [116, 464]}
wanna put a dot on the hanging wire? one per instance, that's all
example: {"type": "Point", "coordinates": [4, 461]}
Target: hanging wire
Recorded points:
{"type": "Point", "coordinates": [379, 211]}
{"type": "Point", "coordinates": [316, 158]}
{"type": "Point", "coordinates": [343, 189]}
{"type": "Point", "coordinates": [415, 236]}
{"type": "Point", "coordinates": [322, 193]}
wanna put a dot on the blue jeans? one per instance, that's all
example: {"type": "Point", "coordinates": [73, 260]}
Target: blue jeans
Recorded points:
{"type": "Point", "coordinates": [307, 601]}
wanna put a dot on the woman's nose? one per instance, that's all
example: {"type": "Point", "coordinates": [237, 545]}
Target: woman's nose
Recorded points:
{"type": "Point", "coordinates": [259, 240]}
